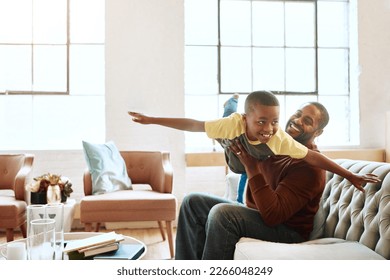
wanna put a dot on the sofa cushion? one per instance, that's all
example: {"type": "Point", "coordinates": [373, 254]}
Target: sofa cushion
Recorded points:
{"type": "Point", "coordinates": [107, 168]}
{"type": "Point", "coordinates": [12, 212]}
{"type": "Point", "coordinates": [141, 204]}
{"type": "Point", "coordinates": [320, 249]}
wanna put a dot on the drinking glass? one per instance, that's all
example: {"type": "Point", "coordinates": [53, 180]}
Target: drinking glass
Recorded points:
{"type": "Point", "coordinates": [34, 212]}
{"type": "Point", "coordinates": [55, 211]}
{"type": "Point", "coordinates": [41, 241]}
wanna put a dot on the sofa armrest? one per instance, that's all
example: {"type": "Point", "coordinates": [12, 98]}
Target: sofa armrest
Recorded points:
{"type": "Point", "coordinates": [23, 177]}
{"type": "Point", "coordinates": [87, 180]}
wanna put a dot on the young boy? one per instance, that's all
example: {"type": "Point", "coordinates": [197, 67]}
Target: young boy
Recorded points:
{"type": "Point", "coordinates": [258, 132]}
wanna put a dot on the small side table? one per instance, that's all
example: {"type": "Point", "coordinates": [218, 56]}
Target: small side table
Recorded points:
{"type": "Point", "coordinates": [69, 210]}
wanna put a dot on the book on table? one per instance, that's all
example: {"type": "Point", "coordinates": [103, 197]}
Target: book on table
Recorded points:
{"type": "Point", "coordinates": [89, 253]}
{"type": "Point", "coordinates": [94, 242]}
{"type": "Point", "coordinates": [124, 252]}
{"type": "Point", "coordinates": [95, 250]}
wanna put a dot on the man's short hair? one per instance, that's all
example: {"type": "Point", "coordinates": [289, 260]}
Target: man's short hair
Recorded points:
{"type": "Point", "coordinates": [324, 114]}
{"type": "Point", "coordinates": [261, 97]}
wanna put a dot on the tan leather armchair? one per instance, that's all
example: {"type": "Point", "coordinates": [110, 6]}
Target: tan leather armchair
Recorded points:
{"type": "Point", "coordinates": [150, 200]}
{"type": "Point", "coordinates": [15, 174]}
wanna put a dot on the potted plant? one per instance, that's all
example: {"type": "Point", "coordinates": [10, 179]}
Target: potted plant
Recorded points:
{"type": "Point", "coordinates": [50, 188]}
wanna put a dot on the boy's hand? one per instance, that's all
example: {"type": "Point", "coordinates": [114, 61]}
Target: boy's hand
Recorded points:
{"type": "Point", "coordinates": [360, 180]}
{"type": "Point", "coordinates": [139, 118]}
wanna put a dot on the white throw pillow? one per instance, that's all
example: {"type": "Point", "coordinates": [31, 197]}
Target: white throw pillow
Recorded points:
{"type": "Point", "coordinates": [107, 168]}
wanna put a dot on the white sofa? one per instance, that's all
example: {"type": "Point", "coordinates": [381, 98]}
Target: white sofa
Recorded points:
{"type": "Point", "coordinates": [349, 224]}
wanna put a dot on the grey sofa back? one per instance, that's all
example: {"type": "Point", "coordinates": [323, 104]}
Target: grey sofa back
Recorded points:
{"type": "Point", "coordinates": [352, 215]}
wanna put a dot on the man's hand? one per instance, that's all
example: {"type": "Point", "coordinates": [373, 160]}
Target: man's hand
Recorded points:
{"type": "Point", "coordinates": [250, 163]}
{"type": "Point", "coordinates": [360, 180]}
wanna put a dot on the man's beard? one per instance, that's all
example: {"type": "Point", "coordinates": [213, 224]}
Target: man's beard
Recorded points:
{"type": "Point", "coordinates": [302, 138]}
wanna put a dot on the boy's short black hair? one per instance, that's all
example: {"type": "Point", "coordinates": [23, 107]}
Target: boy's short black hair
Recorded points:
{"type": "Point", "coordinates": [262, 97]}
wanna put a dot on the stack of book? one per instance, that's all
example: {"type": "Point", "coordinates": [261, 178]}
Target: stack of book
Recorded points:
{"type": "Point", "coordinates": [92, 246]}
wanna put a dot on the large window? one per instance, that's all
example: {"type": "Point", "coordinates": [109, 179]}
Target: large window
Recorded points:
{"type": "Point", "coordinates": [51, 73]}
{"type": "Point", "coordinates": [300, 49]}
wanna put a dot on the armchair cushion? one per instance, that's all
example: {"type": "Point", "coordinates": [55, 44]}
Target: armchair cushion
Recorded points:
{"type": "Point", "coordinates": [107, 168]}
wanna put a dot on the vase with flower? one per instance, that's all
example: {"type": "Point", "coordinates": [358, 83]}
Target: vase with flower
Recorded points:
{"type": "Point", "coordinates": [50, 188]}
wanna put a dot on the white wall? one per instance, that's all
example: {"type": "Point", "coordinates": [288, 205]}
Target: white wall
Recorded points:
{"type": "Point", "coordinates": [145, 72]}
{"type": "Point", "coordinates": [374, 61]}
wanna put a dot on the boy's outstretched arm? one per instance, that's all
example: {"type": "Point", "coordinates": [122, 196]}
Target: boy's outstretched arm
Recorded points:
{"type": "Point", "coordinates": [177, 123]}
{"type": "Point", "coordinates": [321, 161]}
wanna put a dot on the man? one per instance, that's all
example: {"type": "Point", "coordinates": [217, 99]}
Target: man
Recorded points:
{"type": "Point", "coordinates": [282, 198]}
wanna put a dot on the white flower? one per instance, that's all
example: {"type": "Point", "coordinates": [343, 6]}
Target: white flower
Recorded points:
{"type": "Point", "coordinates": [34, 187]}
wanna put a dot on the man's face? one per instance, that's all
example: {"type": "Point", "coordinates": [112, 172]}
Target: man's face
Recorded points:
{"type": "Point", "coordinates": [303, 125]}
{"type": "Point", "coordinates": [262, 122]}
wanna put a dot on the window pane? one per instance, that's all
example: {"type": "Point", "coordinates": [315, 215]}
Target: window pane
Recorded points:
{"type": "Point", "coordinates": [268, 69]}
{"type": "Point", "coordinates": [201, 22]}
{"type": "Point", "coordinates": [15, 120]}
{"type": "Point", "coordinates": [49, 21]}
{"type": "Point", "coordinates": [201, 70]}
{"type": "Point", "coordinates": [222, 98]}
{"type": "Point", "coordinates": [205, 109]}
{"type": "Point", "coordinates": [300, 70]}
{"type": "Point", "coordinates": [338, 108]}
{"type": "Point", "coordinates": [71, 127]}
{"type": "Point", "coordinates": [87, 70]}
{"type": "Point", "coordinates": [333, 33]}
{"type": "Point", "coordinates": [236, 69]}
{"type": "Point", "coordinates": [236, 23]}
{"type": "Point", "coordinates": [293, 103]}
{"type": "Point", "coordinates": [333, 72]}
{"type": "Point", "coordinates": [268, 23]}
{"type": "Point", "coordinates": [300, 24]}
{"type": "Point", "coordinates": [50, 68]}
{"type": "Point", "coordinates": [19, 19]}
{"type": "Point", "coordinates": [87, 21]}
{"type": "Point", "coordinates": [15, 68]}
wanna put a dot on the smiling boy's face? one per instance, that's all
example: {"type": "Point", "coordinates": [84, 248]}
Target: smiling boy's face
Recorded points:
{"type": "Point", "coordinates": [262, 122]}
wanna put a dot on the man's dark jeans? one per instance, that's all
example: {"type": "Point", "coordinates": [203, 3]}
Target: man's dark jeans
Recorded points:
{"type": "Point", "coordinates": [209, 228]}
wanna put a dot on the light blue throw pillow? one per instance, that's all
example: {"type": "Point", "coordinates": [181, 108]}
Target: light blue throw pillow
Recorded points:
{"type": "Point", "coordinates": [107, 168]}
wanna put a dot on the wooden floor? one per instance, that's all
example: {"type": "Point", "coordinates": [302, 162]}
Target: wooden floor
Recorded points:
{"type": "Point", "coordinates": [157, 248]}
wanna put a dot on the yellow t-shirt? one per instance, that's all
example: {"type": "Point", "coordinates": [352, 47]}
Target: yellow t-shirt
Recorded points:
{"type": "Point", "coordinates": [232, 127]}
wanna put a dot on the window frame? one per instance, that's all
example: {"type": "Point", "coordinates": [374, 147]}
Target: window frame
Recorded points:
{"type": "Point", "coordinates": [349, 95]}
{"type": "Point", "coordinates": [277, 92]}
{"type": "Point", "coordinates": [45, 119]}
{"type": "Point", "coordinates": [68, 44]}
